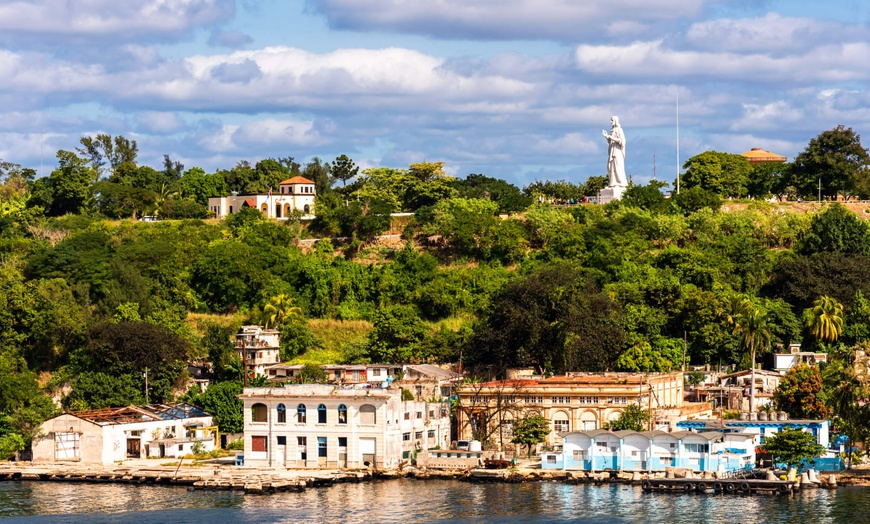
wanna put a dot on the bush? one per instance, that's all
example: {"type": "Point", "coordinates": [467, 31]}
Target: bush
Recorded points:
{"type": "Point", "coordinates": [238, 444]}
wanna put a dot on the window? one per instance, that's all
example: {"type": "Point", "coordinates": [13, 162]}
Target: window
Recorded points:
{"type": "Point", "coordinates": [368, 414]}
{"type": "Point", "coordinates": [431, 434]}
{"type": "Point", "coordinates": [561, 426]}
{"type": "Point", "coordinates": [376, 372]}
{"type": "Point", "coordinates": [342, 442]}
{"type": "Point", "coordinates": [342, 414]}
{"type": "Point", "coordinates": [302, 447]}
{"type": "Point", "coordinates": [181, 447]}
{"type": "Point", "coordinates": [418, 435]}
{"type": "Point", "coordinates": [321, 447]}
{"type": "Point", "coordinates": [407, 416]}
{"type": "Point", "coordinates": [406, 437]}
{"type": "Point", "coordinates": [259, 413]}
{"type": "Point", "coordinates": [431, 413]}
{"type": "Point", "coordinates": [258, 443]}
{"type": "Point", "coordinates": [579, 454]}
{"type": "Point", "coordinates": [282, 414]}
{"type": "Point", "coordinates": [697, 448]}
{"type": "Point", "coordinates": [601, 444]}
{"type": "Point", "coordinates": [419, 414]}
{"type": "Point", "coordinates": [561, 400]}
{"type": "Point", "coordinates": [300, 414]}
{"type": "Point", "coordinates": [321, 414]}
{"type": "Point", "coordinates": [282, 441]}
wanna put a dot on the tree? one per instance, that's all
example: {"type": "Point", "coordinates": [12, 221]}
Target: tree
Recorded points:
{"type": "Point", "coordinates": [70, 185]}
{"type": "Point", "coordinates": [312, 374]}
{"type": "Point", "coordinates": [696, 198]}
{"type": "Point", "coordinates": [344, 169]}
{"type": "Point", "coordinates": [792, 446]}
{"type": "Point", "coordinates": [800, 393]}
{"type": "Point", "coordinates": [531, 431]}
{"type": "Point", "coordinates": [277, 309]}
{"type": "Point", "coordinates": [837, 159]}
{"type": "Point", "coordinates": [508, 196]}
{"type": "Point", "coordinates": [103, 148]}
{"type": "Point", "coordinates": [836, 230]}
{"type": "Point", "coordinates": [847, 386]}
{"type": "Point", "coordinates": [725, 174]}
{"type": "Point", "coordinates": [221, 400]}
{"type": "Point", "coordinates": [633, 418]}
{"type": "Point", "coordinates": [750, 323]}
{"type": "Point", "coordinates": [648, 197]}
{"type": "Point", "coordinates": [554, 319]}
{"type": "Point", "coordinates": [397, 334]}
{"type": "Point", "coordinates": [825, 319]}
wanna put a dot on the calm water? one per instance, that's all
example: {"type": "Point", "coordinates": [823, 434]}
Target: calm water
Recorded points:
{"type": "Point", "coordinates": [412, 501]}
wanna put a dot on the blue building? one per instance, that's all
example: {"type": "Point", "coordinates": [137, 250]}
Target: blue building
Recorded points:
{"type": "Point", "coordinates": [599, 449]}
{"type": "Point", "coordinates": [819, 428]}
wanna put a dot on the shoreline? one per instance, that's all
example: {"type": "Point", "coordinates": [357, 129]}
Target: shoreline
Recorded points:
{"type": "Point", "coordinates": [263, 481]}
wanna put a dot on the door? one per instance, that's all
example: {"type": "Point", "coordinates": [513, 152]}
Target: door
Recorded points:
{"type": "Point", "coordinates": [66, 446]}
{"type": "Point", "coordinates": [134, 446]}
{"type": "Point", "coordinates": [367, 451]}
{"type": "Point", "coordinates": [321, 451]}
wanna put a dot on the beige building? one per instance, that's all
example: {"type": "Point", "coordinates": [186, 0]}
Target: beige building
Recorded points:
{"type": "Point", "coordinates": [573, 402]}
{"type": "Point", "coordinates": [293, 194]}
{"type": "Point", "coordinates": [106, 436]}
{"type": "Point", "coordinates": [330, 426]}
{"type": "Point", "coordinates": [258, 348]}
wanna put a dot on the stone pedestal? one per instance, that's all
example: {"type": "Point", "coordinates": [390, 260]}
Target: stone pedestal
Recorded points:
{"type": "Point", "coordinates": [610, 193]}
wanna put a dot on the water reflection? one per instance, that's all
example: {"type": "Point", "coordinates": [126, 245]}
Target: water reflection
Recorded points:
{"type": "Point", "coordinates": [417, 501]}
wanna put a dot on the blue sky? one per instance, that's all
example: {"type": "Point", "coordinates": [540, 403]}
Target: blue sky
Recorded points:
{"type": "Point", "coordinates": [515, 89]}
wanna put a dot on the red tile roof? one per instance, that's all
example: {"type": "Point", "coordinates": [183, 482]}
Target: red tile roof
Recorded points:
{"type": "Point", "coordinates": [296, 180]}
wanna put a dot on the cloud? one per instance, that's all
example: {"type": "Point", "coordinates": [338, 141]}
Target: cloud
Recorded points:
{"type": "Point", "coordinates": [44, 23]}
{"type": "Point", "coordinates": [245, 71]}
{"type": "Point", "coordinates": [772, 34]}
{"type": "Point", "coordinates": [233, 39]}
{"type": "Point", "coordinates": [507, 19]}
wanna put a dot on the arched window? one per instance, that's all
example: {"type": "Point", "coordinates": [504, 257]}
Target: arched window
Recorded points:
{"type": "Point", "coordinates": [306, 209]}
{"type": "Point", "coordinates": [368, 414]}
{"type": "Point", "coordinates": [259, 413]}
{"type": "Point", "coordinates": [321, 414]}
{"type": "Point", "coordinates": [282, 414]}
{"type": "Point", "coordinates": [342, 414]}
{"type": "Point", "coordinates": [300, 414]}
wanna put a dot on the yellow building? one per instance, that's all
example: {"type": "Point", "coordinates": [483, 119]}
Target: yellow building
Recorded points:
{"type": "Point", "coordinates": [573, 402]}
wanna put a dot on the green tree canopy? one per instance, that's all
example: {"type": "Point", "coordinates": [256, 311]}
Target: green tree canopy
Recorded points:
{"type": "Point", "coordinates": [792, 446]}
{"type": "Point", "coordinates": [837, 158]}
{"type": "Point", "coordinates": [724, 174]}
{"type": "Point", "coordinates": [531, 431]}
{"type": "Point", "coordinates": [633, 418]}
{"type": "Point", "coordinates": [800, 393]}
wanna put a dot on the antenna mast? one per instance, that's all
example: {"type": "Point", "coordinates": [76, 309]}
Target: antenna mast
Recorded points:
{"type": "Point", "coordinates": [678, 140]}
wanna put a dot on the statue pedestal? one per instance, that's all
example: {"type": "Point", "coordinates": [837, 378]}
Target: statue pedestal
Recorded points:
{"type": "Point", "coordinates": [610, 193]}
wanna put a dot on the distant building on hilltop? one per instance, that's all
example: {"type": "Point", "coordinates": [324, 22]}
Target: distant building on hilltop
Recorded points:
{"type": "Point", "coordinates": [757, 155]}
{"type": "Point", "coordinates": [293, 194]}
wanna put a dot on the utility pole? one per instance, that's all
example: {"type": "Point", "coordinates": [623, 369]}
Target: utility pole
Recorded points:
{"type": "Point", "coordinates": [245, 362]}
{"type": "Point", "coordinates": [684, 351]}
{"type": "Point", "coordinates": [678, 141]}
{"type": "Point", "coordinates": [146, 386]}
{"type": "Point", "coordinates": [820, 190]}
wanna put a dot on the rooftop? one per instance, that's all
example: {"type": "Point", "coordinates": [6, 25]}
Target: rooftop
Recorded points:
{"type": "Point", "coordinates": [296, 180]}
{"type": "Point", "coordinates": [147, 413]}
{"type": "Point", "coordinates": [757, 155]}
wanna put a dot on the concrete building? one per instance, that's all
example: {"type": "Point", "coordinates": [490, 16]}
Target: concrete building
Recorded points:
{"type": "Point", "coordinates": [652, 451]}
{"type": "Point", "coordinates": [577, 401]}
{"type": "Point", "coordinates": [784, 361]}
{"type": "Point", "coordinates": [106, 436]}
{"type": "Point", "coordinates": [757, 155]}
{"type": "Point", "coordinates": [330, 426]}
{"type": "Point", "coordinates": [258, 348]}
{"type": "Point", "coordinates": [294, 194]}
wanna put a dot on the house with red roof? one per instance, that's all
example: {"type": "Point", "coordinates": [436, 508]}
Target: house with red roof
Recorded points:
{"type": "Point", "coordinates": [293, 194]}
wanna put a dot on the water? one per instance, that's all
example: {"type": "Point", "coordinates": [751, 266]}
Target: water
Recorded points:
{"type": "Point", "coordinates": [411, 501]}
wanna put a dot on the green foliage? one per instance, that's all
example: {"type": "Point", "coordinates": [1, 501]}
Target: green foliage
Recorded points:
{"type": "Point", "coordinates": [824, 320]}
{"type": "Point", "coordinates": [96, 390]}
{"type": "Point", "coordinates": [648, 197]}
{"type": "Point", "coordinates": [407, 395]}
{"type": "Point", "coordinates": [837, 158]}
{"type": "Point", "coordinates": [397, 334]}
{"type": "Point", "coordinates": [632, 418]}
{"type": "Point", "coordinates": [312, 374]}
{"type": "Point", "coordinates": [800, 393]}
{"type": "Point", "coordinates": [221, 400]}
{"type": "Point", "coordinates": [507, 196]}
{"type": "Point", "coordinates": [792, 446]}
{"type": "Point", "coordinates": [697, 198]}
{"type": "Point", "coordinates": [724, 174]}
{"type": "Point", "coordinates": [837, 230]}
{"type": "Point", "coordinates": [554, 319]}
{"type": "Point", "coordinates": [642, 357]}
{"type": "Point", "coordinates": [530, 431]}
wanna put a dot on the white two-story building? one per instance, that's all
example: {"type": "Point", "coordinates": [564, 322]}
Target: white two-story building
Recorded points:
{"type": "Point", "coordinates": [331, 426]}
{"type": "Point", "coordinates": [293, 194]}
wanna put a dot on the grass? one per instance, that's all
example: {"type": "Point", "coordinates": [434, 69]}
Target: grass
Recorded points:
{"type": "Point", "coordinates": [333, 335]}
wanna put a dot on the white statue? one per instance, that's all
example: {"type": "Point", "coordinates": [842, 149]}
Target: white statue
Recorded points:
{"type": "Point", "coordinates": [615, 154]}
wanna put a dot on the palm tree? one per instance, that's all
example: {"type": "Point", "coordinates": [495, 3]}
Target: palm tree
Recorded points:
{"type": "Point", "coordinates": [825, 319]}
{"type": "Point", "coordinates": [750, 323]}
{"type": "Point", "coordinates": [277, 309]}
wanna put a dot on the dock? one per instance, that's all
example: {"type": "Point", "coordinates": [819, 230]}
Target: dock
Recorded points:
{"type": "Point", "coordinates": [725, 486]}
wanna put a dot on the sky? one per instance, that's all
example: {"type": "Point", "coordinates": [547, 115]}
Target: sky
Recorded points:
{"type": "Point", "coordinates": [514, 89]}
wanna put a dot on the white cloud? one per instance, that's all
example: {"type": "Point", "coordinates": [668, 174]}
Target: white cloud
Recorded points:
{"type": "Point", "coordinates": [96, 19]}
{"type": "Point", "coordinates": [506, 19]}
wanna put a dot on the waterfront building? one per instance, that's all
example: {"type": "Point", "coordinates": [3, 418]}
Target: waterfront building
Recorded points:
{"type": "Point", "coordinates": [766, 382]}
{"type": "Point", "coordinates": [294, 194]}
{"type": "Point", "coordinates": [764, 425]}
{"type": "Point", "coordinates": [106, 436]}
{"type": "Point", "coordinates": [652, 451]}
{"type": "Point", "coordinates": [331, 426]}
{"type": "Point", "coordinates": [258, 348]}
{"type": "Point", "coordinates": [573, 402]}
